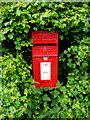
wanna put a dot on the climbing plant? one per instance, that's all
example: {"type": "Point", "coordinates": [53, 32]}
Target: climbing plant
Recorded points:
{"type": "Point", "coordinates": [20, 98]}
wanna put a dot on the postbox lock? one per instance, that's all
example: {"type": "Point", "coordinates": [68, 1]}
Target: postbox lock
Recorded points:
{"type": "Point", "coordinates": [45, 58]}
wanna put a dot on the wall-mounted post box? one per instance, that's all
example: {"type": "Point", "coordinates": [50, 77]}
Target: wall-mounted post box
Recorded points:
{"type": "Point", "coordinates": [45, 58]}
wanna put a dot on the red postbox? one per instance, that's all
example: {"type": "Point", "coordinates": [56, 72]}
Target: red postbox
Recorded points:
{"type": "Point", "coordinates": [45, 58]}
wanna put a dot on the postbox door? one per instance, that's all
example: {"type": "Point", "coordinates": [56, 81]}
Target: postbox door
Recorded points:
{"type": "Point", "coordinates": [45, 71]}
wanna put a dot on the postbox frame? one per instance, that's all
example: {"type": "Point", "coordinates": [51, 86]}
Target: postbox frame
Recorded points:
{"type": "Point", "coordinates": [53, 42]}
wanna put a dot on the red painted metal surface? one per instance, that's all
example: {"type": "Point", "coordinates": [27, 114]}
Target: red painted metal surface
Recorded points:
{"type": "Point", "coordinates": [45, 52]}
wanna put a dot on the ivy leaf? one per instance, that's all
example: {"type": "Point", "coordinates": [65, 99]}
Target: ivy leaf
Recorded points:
{"type": "Point", "coordinates": [46, 98]}
{"type": "Point", "coordinates": [35, 28]}
{"type": "Point", "coordinates": [26, 30]}
{"type": "Point", "coordinates": [6, 23]}
{"type": "Point", "coordinates": [61, 37]}
{"type": "Point", "coordinates": [63, 89]}
{"type": "Point", "coordinates": [47, 88]}
{"type": "Point", "coordinates": [11, 36]}
{"type": "Point", "coordinates": [3, 37]}
{"type": "Point", "coordinates": [65, 51]}
{"type": "Point", "coordinates": [18, 12]}
{"type": "Point", "coordinates": [18, 38]}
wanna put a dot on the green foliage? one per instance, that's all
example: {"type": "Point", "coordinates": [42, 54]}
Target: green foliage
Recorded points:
{"type": "Point", "coordinates": [16, 85]}
{"type": "Point", "coordinates": [20, 98]}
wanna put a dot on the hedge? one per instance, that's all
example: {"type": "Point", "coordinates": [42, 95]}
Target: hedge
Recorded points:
{"type": "Point", "coordinates": [20, 98]}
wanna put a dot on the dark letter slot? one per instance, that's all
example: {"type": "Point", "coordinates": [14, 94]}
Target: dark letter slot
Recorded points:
{"type": "Point", "coordinates": [44, 44]}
